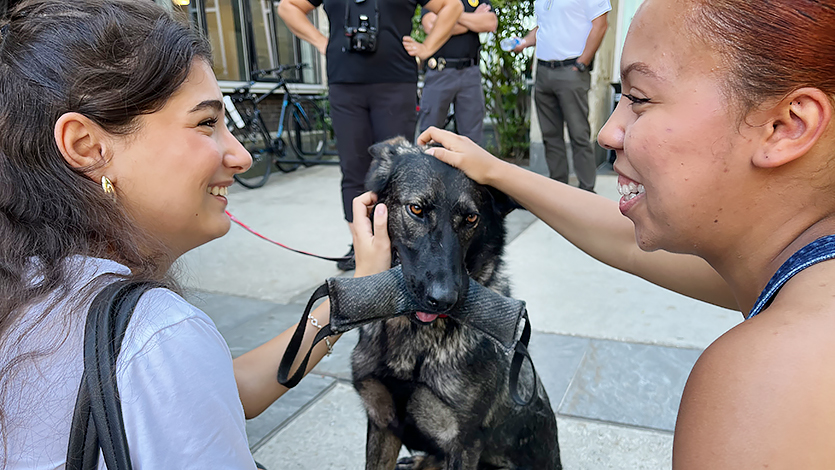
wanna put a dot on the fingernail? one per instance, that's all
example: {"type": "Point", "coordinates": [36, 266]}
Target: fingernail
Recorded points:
{"type": "Point", "coordinates": [430, 151]}
{"type": "Point", "coordinates": [380, 210]}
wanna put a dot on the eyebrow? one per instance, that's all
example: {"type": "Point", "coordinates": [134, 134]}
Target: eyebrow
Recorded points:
{"type": "Point", "coordinates": [216, 105]}
{"type": "Point", "coordinates": [641, 68]}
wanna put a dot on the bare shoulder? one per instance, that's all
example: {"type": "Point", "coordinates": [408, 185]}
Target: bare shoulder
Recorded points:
{"type": "Point", "coordinates": [761, 396]}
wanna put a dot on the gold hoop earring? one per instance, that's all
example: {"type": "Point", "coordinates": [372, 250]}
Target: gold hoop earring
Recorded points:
{"type": "Point", "coordinates": [107, 186]}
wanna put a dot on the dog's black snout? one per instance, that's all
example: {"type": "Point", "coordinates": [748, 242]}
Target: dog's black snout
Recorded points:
{"type": "Point", "coordinates": [441, 300]}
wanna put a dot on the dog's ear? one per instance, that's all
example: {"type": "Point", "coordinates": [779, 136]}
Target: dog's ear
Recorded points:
{"type": "Point", "coordinates": [383, 156]}
{"type": "Point", "coordinates": [502, 203]}
{"type": "Point", "coordinates": [381, 164]}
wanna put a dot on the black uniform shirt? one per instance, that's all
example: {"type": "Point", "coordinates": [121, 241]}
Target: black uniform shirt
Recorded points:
{"type": "Point", "coordinates": [390, 63]}
{"type": "Point", "coordinates": [462, 46]}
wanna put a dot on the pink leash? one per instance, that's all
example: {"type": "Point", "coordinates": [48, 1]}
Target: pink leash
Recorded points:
{"type": "Point", "coordinates": [343, 258]}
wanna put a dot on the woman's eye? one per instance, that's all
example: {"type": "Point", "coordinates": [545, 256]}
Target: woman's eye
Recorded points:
{"type": "Point", "coordinates": [212, 122]}
{"type": "Point", "coordinates": [472, 218]}
{"type": "Point", "coordinates": [635, 100]}
{"type": "Point", "coordinates": [416, 209]}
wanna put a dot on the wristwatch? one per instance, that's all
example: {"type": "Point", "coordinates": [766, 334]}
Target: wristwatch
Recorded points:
{"type": "Point", "coordinates": [581, 66]}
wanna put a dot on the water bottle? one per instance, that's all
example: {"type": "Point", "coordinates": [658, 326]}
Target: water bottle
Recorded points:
{"type": "Point", "coordinates": [508, 44]}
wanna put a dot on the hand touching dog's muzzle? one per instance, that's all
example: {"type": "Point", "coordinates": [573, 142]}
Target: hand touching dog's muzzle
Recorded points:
{"type": "Point", "coordinates": [358, 301]}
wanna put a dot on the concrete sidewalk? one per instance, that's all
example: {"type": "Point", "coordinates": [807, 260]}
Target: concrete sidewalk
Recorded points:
{"type": "Point", "coordinates": [612, 350]}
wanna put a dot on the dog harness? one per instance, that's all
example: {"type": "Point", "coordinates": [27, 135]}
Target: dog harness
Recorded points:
{"type": "Point", "coordinates": [819, 250]}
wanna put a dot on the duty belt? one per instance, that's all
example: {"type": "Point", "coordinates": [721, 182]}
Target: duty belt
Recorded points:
{"type": "Point", "coordinates": [556, 63]}
{"type": "Point", "coordinates": [441, 63]}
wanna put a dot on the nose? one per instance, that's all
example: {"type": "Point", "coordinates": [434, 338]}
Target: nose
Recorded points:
{"type": "Point", "coordinates": [441, 298]}
{"type": "Point", "coordinates": [612, 133]}
{"type": "Point", "coordinates": [235, 156]}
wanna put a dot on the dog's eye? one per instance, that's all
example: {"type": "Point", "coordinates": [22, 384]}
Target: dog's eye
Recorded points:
{"type": "Point", "coordinates": [416, 209]}
{"type": "Point", "coordinates": [472, 218]}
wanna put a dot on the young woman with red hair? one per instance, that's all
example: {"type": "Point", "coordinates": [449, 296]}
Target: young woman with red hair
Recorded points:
{"type": "Point", "coordinates": [725, 143]}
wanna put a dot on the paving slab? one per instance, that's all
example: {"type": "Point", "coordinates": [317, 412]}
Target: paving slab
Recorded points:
{"type": "Point", "coordinates": [556, 359]}
{"type": "Point", "coordinates": [330, 434]}
{"type": "Point", "coordinates": [632, 384]}
{"type": "Point", "coordinates": [228, 312]}
{"type": "Point", "coordinates": [588, 445]}
{"type": "Point", "coordinates": [297, 399]}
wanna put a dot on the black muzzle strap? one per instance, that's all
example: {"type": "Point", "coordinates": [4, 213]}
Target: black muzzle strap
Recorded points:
{"type": "Point", "coordinates": [358, 301]}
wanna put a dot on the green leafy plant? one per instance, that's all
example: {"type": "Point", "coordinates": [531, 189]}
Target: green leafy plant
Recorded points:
{"type": "Point", "coordinates": [418, 34]}
{"type": "Point", "coordinates": [505, 76]}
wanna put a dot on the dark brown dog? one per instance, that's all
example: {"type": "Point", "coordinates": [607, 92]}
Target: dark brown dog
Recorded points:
{"type": "Point", "coordinates": [427, 382]}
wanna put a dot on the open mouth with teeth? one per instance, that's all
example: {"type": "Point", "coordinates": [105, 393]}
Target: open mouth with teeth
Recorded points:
{"type": "Point", "coordinates": [631, 190]}
{"type": "Point", "coordinates": [218, 190]}
{"type": "Point", "coordinates": [424, 317]}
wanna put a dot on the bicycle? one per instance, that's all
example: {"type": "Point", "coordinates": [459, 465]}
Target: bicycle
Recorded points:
{"type": "Point", "coordinates": [315, 124]}
{"type": "Point", "coordinates": [301, 119]}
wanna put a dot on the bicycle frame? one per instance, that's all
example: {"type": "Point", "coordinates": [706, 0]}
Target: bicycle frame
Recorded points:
{"type": "Point", "coordinates": [270, 150]}
{"type": "Point", "coordinates": [274, 147]}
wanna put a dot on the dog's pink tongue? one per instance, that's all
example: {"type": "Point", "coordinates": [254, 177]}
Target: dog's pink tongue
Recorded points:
{"type": "Point", "coordinates": [426, 317]}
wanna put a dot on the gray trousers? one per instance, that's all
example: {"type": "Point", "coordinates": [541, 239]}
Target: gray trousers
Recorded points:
{"type": "Point", "coordinates": [463, 89]}
{"type": "Point", "coordinates": [562, 97]}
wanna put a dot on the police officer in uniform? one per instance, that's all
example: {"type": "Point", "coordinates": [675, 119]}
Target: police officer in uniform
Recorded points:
{"type": "Point", "coordinates": [453, 75]}
{"type": "Point", "coordinates": [372, 74]}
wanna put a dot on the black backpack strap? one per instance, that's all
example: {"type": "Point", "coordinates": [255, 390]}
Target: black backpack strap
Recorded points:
{"type": "Point", "coordinates": [296, 342]}
{"type": "Point", "coordinates": [519, 355]}
{"type": "Point", "coordinates": [97, 419]}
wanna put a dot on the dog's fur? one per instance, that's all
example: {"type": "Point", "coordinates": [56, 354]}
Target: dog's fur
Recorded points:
{"type": "Point", "coordinates": [441, 388]}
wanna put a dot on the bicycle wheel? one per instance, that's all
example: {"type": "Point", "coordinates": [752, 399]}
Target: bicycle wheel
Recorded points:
{"type": "Point", "coordinates": [256, 141]}
{"type": "Point", "coordinates": [306, 131]}
{"type": "Point", "coordinates": [282, 157]}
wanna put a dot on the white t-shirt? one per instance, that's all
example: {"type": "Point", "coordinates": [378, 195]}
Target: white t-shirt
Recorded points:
{"type": "Point", "coordinates": [180, 402]}
{"type": "Point", "coordinates": [564, 26]}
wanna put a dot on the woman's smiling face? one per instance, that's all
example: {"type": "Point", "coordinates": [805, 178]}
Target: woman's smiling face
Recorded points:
{"type": "Point", "coordinates": [174, 172]}
{"type": "Point", "coordinates": [681, 148]}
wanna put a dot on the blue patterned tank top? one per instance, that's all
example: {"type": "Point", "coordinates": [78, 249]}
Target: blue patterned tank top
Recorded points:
{"type": "Point", "coordinates": [819, 250]}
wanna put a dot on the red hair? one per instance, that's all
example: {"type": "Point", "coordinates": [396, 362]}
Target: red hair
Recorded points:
{"type": "Point", "coordinates": [771, 47]}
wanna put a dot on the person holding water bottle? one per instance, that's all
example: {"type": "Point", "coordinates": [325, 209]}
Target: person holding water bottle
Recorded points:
{"type": "Point", "coordinates": [568, 34]}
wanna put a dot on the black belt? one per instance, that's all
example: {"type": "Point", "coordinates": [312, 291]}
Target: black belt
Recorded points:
{"type": "Point", "coordinates": [557, 63]}
{"type": "Point", "coordinates": [440, 63]}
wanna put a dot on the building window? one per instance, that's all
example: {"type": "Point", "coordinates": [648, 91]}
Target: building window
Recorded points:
{"type": "Point", "coordinates": [248, 35]}
{"type": "Point", "coordinates": [225, 32]}
{"type": "Point", "coordinates": [274, 44]}
{"type": "Point", "coordinates": [293, 50]}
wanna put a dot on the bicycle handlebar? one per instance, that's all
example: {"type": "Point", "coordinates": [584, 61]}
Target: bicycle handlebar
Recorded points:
{"type": "Point", "coordinates": [244, 89]}
{"type": "Point", "coordinates": [278, 70]}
